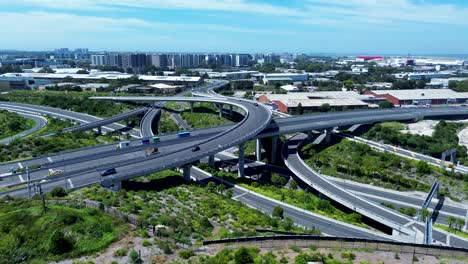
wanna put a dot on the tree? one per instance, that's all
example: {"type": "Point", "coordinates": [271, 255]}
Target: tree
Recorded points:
{"type": "Point", "coordinates": [422, 167]}
{"type": "Point", "coordinates": [278, 212]}
{"type": "Point", "coordinates": [59, 243]}
{"type": "Point", "coordinates": [243, 256]}
{"type": "Point", "coordinates": [220, 188]}
{"type": "Point", "coordinates": [300, 109]}
{"type": "Point", "coordinates": [211, 186]}
{"type": "Point", "coordinates": [278, 180]}
{"type": "Point", "coordinates": [451, 220]}
{"type": "Point", "coordinates": [424, 214]}
{"type": "Point", "coordinates": [58, 191]}
{"type": "Point", "coordinates": [460, 223]}
{"type": "Point", "coordinates": [325, 107]}
{"type": "Point", "coordinates": [293, 184]}
{"type": "Point", "coordinates": [385, 104]}
{"type": "Point", "coordinates": [82, 72]}
{"type": "Point", "coordinates": [348, 84]}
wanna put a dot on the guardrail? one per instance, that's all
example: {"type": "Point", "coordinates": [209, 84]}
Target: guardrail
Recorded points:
{"type": "Point", "coordinates": [269, 242]}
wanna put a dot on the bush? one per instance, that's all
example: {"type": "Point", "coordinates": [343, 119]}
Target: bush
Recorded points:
{"type": "Point", "coordinates": [278, 212]}
{"type": "Point", "coordinates": [121, 252]}
{"type": "Point", "coordinates": [58, 191]}
{"type": "Point", "coordinates": [243, 256]}
{"type": "Point", "coordinates": [348, 255]}
{"type": "Point", "coordinates": [59, 244]}
{"type": "Point", "coordinates": [134, 257]}
{"type": "Point", "coordinates": [186, 253]}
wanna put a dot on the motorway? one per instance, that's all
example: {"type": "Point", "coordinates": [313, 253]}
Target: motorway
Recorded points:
{"type": "Point", "coordinates": [39, 122]}
{"type": "Point", "coordinates": [399, 222]}
{"type": "Point", "coordinates": [80, 118]}
{"type": "Point", "coordinates": [257, 119]}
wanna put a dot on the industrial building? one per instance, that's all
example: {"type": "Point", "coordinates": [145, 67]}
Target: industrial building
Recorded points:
{"type": "Point", "coordinates": [312, 102]}
{"type": "Point", "coordinates": [420, 96]}
{"type": "Point", "coordinates": [282, 78]}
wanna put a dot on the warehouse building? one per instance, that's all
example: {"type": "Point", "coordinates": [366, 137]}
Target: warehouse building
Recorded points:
{"type": "Point", "coordinates": [314, 101]}
{"type": "Point", "coordinates": [420, 96]}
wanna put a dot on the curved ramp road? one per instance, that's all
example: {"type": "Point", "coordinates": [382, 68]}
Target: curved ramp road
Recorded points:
{"type": "Point", "coordinates": [80, 118]}
{"type": "Point", "coordinates": [39, 122]}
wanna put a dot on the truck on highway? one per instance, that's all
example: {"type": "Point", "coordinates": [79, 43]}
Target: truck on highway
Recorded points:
{"type": "Point", "coordinates": [183, 134]}
{"type": "Point", "coordinates": [151, 151]}
{"type": "Point", "coordinates": [53, 172]}
{"type": "Point", "coordinates": [123, 144]}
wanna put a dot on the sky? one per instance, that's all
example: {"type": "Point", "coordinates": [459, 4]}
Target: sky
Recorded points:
{"type": "Point", "coordinates": [297, 26]}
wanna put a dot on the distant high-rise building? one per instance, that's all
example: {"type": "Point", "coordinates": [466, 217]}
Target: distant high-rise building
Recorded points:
{"type": "Point", "coordinates": [98, 59]}
{"type": "Point", "coordinates": [113, 59]}
{"type": "Point", "coordinates": [159, 60]}
{"type": "Point", "coordinates": [242, 60]}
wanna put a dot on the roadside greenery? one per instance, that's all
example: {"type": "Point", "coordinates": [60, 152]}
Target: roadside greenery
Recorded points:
{"type": "Point", "coordinates": [184, 213]}
{"type": "Point", "coordinates": [74, 101]}
{"type": "Point", "coordinates": [28, 234]}
{"type": "Point", "coordinates": [167, 125]}
{"type": "Point", "coordinates": [204, 115]}
{"type": "Point", "coordinates": [33, 147]}
{"type": "Point", "coordinates": [359, 162]}
{"type": "Point", "coordinates": [12, 124]}
{"type": "Point", "coordinates": [456, 231]}
{"type": "Point", "coordinates": [444, 138]}
{"type": "Point", "coordinates": [299, 198]}
{"type": "Point", "coordinates": [459, 86]}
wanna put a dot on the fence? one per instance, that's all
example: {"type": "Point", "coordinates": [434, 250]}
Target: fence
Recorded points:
{"type": "Point", "coordinates": [271, 242]}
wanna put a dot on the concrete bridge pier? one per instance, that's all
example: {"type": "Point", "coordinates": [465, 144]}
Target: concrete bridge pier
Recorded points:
{"type": "Point", "coordinates": [328, 133]}
{"type": "Point", "coordinates": [220, 106]}
{"type": "Point", "coordinates": [231, 111]}
{"type": "Point", "coordinates": [191, 106]}
{"type": "Point", "coordinates": [211, 160]}
{"type": "Point", "coordinates": [186, 172]}
{"type": "Point", "coordinates": [274, 149]}
{"type": "Point", "coordinates": [258, 149]}
{"type": "Point", "coordinates": [99, 130]}
{"type": "Point", "coordinates": [241, 160]}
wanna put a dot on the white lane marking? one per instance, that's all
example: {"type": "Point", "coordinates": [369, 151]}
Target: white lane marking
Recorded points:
{"type": "Point", "coordinates": [21, 178]}
{"type": "Point", "coordinates": [238, 196]}
{"type": "Point", "coordinates": [50, 159]}
{"type": "Point", "coordinates": [71, 183]}
{"type": "Point", "coordinates": [20, 165]}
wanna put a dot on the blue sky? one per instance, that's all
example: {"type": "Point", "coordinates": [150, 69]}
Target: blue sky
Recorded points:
{"type": "Point", "coordinates": [311, 26]}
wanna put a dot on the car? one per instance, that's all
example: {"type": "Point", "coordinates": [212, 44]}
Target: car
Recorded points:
{"type": "Point", "coordinates": [196, 148]}
{"type": "Point", "coordinates": [256, 104]}
{"type": "Point", "coordinates": [109, 172]}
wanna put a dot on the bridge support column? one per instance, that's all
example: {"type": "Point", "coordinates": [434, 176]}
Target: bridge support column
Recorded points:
{"type": "Point", "coordinates": [99, 130]}
{"type": "Point", "coordinates": [186, 172]}
{"type": "Point", "coordinates": [328, 133]}
{"type": "Point", "coordinates": [191, 106]}
{"type": "Point", "coordinates": [309, 135]}
{"type": "Point", "coordinates": [274, 149]}
{"type": "Point", "coordinates": [211, 160]}
{"type": "Point", "coordinates": [220, 106]}
{"type": "Point", "coordinates": [258, 149]}
{"type": "Point", "coordinates": [241, 160]}
{"type": "Point", "coordinates": [231, 112]}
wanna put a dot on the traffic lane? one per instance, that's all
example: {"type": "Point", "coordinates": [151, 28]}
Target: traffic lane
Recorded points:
{"type": "Point", "coordinates": [301, 218]}
{"type": "Point", "coordinates": [39, 122]}
{"type": "Point", "coordinates": [294, 161]}
{"type": "Point", "coordinates": [108, 150]}
{"type": "Point", "coordinates": [249, 126]}
{"type": "Point", "coordinates": [397, 197]}
{"type": "Point", "coordinates": [93, 164]}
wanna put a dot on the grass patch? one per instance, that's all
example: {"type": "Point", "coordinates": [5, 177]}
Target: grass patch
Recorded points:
{"type": "Point", "coordinates": [62, 232]}
{"type": "Point", "coordinates": [205, 115]}
{"type": "Point", "coordinates": [167, 125]}
{"type": "Point", "coordinates": [13, 123]}
{"type": "Point", "coordinates": [451, 230]}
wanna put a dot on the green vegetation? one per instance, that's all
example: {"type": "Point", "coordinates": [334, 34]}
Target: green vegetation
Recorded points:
{"type": "Point", "coordinates": [188, 212]}
{"type": "Point", "coordinates": [205, 115]}
{"type": "Point", "coordinates": [444, 138]}
{"type": "Point", "coordinates": [13, 123]}
{"type": "Point", "coordinates": [299, 198]}
{"type": "Point", "coordinates": [459, 86]}
{"type": "Point", "coordinates": [167, 125]}
{"type": "Point", "coordinates": [359, 162]}
{"type": "Point", "coordinates": [452, 230]}
{"type": "Point", "coordinates": [410, 211]}
{"type": "Point", "coordinates": [29, 234]}
{"type": "Point", "coordinates": [33, 147]}
{"type": "Point", "coordinates": [78, 102]}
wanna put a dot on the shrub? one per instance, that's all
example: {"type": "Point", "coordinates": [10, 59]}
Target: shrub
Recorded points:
{"type": "Point", "coordinates": [121, 252]}
{"type": "Point", "coordinates": [186, 253]}
{"type": "Point", "coordinates": [278, 212]}
{"type": "Point", "coordinates": [348, 255]}
{"type": "Point", "coordinates": [146, 243]}
{"type": "Point", "coordinates": [134, 257]}
{"type": "Point", "coordinates": [58, 191]}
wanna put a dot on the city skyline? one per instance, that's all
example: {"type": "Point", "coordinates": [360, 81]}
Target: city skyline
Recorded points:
{"type": "Point", "coordinates": [237, 26]}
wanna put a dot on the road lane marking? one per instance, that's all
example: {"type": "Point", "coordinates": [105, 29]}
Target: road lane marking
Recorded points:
{"type": "Point", "coordinates": [50, 159]}
{"type": "Point", "coordinates": [71, 183]}
{"type": "Point", "coordinates": [21, 178]}
{"type": "Point", "coordinates": [238, 196]}
{"type": "Point", "coordinates": [20, 165]}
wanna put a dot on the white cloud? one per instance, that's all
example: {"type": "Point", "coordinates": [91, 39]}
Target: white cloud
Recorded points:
{"type": "Point", "coordinates": [213, 5]}
{"type": "Point", "coordinates": [389, 11]}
